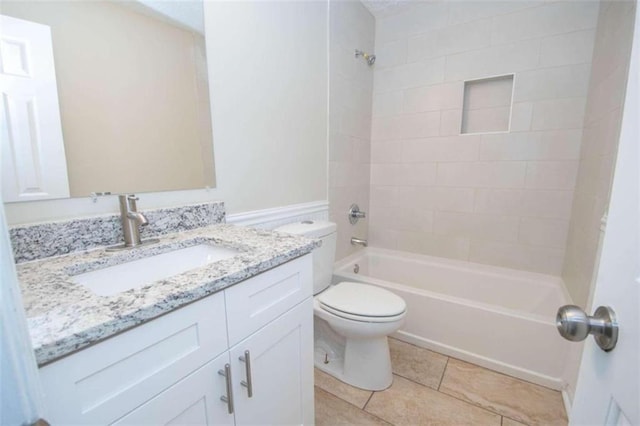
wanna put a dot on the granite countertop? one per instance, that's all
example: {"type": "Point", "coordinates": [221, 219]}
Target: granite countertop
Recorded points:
{"type": "Point", "coordinates": [63, 316]}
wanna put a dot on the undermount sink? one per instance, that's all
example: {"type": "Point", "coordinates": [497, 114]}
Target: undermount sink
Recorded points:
{"type": "Point", "coordinates": [138, 273]}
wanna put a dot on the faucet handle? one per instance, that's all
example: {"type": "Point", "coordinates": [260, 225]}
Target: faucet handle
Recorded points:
{"type": "Point", "coordinates": [133, 197]}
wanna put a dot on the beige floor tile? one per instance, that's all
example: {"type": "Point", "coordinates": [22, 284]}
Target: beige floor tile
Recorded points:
{"type": "Point", "coordinates": [408, 403]}
{"type": "Point", "coordinates": [516, 399]}
{"type": "Point", "coordinates": [506, 421]}
{"type": "Point", "coordinates": [331, 411]}
{"type": "Point", "coordinates": [355, 396]}
{"type": "Point", "coordinates": [418, 364]}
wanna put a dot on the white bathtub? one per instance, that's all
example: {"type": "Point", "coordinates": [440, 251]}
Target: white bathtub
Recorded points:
{"type": "Point", "coordinates": [502, 319]}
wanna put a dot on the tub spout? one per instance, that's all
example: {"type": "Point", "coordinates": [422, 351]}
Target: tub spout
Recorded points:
{"type": "Point", "coordinates": [359, 242]}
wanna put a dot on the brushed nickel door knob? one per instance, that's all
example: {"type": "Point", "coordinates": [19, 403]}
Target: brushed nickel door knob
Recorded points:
{"type": "Point", "coordinates": [575, 325]}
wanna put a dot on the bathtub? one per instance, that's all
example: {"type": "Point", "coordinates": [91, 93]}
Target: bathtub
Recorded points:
{"type": "Point", "coordinates": [499, 318]}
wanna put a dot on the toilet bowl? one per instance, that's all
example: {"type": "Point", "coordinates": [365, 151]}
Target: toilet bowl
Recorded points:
{"type": "Point", "coordinates": [351, 320]}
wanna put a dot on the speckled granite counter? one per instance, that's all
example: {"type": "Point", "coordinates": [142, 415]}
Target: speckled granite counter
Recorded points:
{"type": "Point", "coordinates": [64, 317]}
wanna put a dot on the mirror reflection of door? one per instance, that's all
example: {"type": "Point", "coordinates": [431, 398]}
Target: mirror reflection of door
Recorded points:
{"type": "Point", "coordinates": [33, 157]}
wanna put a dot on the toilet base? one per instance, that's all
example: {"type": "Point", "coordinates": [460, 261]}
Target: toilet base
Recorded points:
{"type": "Point", "coordinates": [365, 363]}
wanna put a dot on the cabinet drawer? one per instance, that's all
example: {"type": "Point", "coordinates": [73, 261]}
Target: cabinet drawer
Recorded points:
{"type": "Point", "coordinates": [101, 383]}
{"type": "Point", "coordinates": [194, 400]}
{"type": "Point", "coordinates": [265, 297]}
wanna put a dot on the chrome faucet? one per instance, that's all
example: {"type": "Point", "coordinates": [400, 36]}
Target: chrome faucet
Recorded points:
{"type": "Point", "coordinates": [132, 220]}
{"type": "Point", "coordinates": [359, 241]}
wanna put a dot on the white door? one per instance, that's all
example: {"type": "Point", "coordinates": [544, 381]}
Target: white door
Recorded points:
{"type": "Point", "coordinates": [280, 373]}
{"type": "Point", "coordinates": [33, 162]}
{"type": "Point", "coordinates": [20, 393]}
{"type": "Point", "coordinates": [608, 390]}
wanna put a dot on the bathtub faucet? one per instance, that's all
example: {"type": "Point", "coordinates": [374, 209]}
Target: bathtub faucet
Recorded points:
{"type": "Point", "coordinates": [359, 241]}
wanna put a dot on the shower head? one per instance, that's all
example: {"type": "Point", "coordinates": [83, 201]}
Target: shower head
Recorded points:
{"type": "Point", "coordinates": [370, 58]}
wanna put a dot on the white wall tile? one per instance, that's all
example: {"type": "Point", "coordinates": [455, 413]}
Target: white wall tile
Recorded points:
{"type": "Point", "coordinates": [385, 174]}
{"type": "Point", "coordinates": [423, 46]}
{"type": "Point", "coordinates": [451, 122]}
{"type": "Point", "coordinates": [492, 61]}
{"type": "Point", "coordinates": [386, 128]}
{"type": "Point", "coordinates": [498, 201]}
{"type": "Point", "coordinates": [417, 174]}
{"type": "Point", "coordinates": [549, 204]}
{"type": "Point", "coordinates": [433, 98]}
{"type": "Point", "coordinates": [420, 17]}
{"type": "Point", "coordinates": [550, 19]}
{"type": "Point", "coordinates": [566, 49]}
{"type": "Point", "coordinates": [552, 174]}
{"type": "Point", "coordinates": [485, 120]}
{"type": "Point", "coordinates": [420, 125]}
{"type": "Point", "coordinates": [410, 75]}
{"type": "Point", "coordinates": [546, 145]}
{"type": "Point", "coordinates": [391, 54]}
{"type": "Point", "coordinates": [464, 37]}
{"type": "Point", "coordinates": [558, 114]}
{"type": "Point", "coordinates": [435, 245]}
{"type": "Point", "coordinates": [441, 149]}
{"type": "Point", "coordinates": [551, 83]}
{"type": "Point", "coordinates": [385, 152]}
{"type": "Point", "coordinates": [501, 198]}
{"type": "Point", "coordinates": [521, 116]}
{"type": "Point", "coordinates": [476, 226]}
{"type": "Point", "coordinates": [465, 11]}
{"type": "Point", "coordinates": [482, 174]}
{"type": "Point", "coordinates": [530, 258]}
{"type": "Point", "coordinates": [454, 199]}
{"type": "Point", "coordinates": [543, 232]}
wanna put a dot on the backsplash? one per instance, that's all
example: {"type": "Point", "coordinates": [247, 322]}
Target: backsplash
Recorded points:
{"type": "Point", "coordinates": [39, 241]}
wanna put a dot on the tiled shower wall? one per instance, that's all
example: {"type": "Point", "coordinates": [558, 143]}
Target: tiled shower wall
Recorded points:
{"type": "Point", "coordinates": [350, 94]}
{"type": "Point", "coordinates": [599, 143]}
{"type": "Point", "coordinates": [502, 198]}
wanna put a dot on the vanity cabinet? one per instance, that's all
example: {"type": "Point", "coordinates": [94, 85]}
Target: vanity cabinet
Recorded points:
{"type": "Point", "coordinates": [171, 370]}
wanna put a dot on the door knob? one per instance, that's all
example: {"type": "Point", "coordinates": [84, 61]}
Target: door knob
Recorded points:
{"type": "Point", "coordinates": [575, 325]}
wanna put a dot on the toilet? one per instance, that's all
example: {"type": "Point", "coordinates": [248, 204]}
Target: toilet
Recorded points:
{"type": "Point", "coordinates": [351, 320]}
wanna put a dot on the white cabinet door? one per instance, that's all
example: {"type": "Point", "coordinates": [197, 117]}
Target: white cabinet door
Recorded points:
{"type": "Point", "coordinates": [34, 166]}
{"type": "Point", "coordinates": [194, 400]}
{"type": "Point", "coordinates": [281, 373]}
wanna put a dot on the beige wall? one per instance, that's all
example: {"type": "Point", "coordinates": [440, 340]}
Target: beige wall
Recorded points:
{"type": "Point", "coordinates": [268, 67]}
{"type": "Point", "coordinates": [133, 113]}
{"type": "Point", "coordinates": [351, 88]}
{"type": "Point", "coordinates": [504, 198]}
{"type": "Point", "coordinates": [599, 144]}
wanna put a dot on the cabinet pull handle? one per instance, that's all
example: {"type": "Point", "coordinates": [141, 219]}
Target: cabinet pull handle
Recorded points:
{"type": "Point", "coordinates": [226, 373]}
{"type": "Point", "coordinates": [247, 365]}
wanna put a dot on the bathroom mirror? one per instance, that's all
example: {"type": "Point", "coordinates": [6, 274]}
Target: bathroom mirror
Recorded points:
{"type": "Point", "coordinates": [133, 92]}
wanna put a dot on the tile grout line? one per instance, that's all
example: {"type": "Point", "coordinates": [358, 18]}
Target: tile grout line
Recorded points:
{"type": "Point", "coordinates": [371, 414]}
{"type": "Point", "coordinates": [481, 407]}
{"type": "Point", "coordinates": [367, 403]}
{"type": "Point", "coordinates": [414, 381]}
{"type": "Point", "coordinates": [444, 371]}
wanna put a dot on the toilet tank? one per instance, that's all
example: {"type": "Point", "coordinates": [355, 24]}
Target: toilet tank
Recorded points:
{"type": "Point", "coordinates": [323, 256]}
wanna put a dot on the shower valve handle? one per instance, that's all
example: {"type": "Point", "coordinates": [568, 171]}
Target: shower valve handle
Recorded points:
{"type": "Point", "coordinates": [575, 325]}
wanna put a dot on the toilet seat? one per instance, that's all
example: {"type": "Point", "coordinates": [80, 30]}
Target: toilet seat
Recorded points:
{"type": "Point", "coordinates": [362, 302]}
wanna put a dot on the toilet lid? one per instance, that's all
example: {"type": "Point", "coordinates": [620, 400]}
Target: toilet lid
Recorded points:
{"type": "Point", "coordinates": [362, 300]}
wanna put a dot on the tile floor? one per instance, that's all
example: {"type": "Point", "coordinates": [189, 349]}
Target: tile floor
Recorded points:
{"type": "Point", "coordinates": [429, 388]}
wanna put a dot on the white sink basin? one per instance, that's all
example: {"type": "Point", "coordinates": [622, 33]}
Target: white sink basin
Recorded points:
{"type": "Point", "coordinates": [137, 273]}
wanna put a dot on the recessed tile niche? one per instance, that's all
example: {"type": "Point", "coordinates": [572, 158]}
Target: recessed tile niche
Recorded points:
{"type": "Point", "coordinates": [487, 105]}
